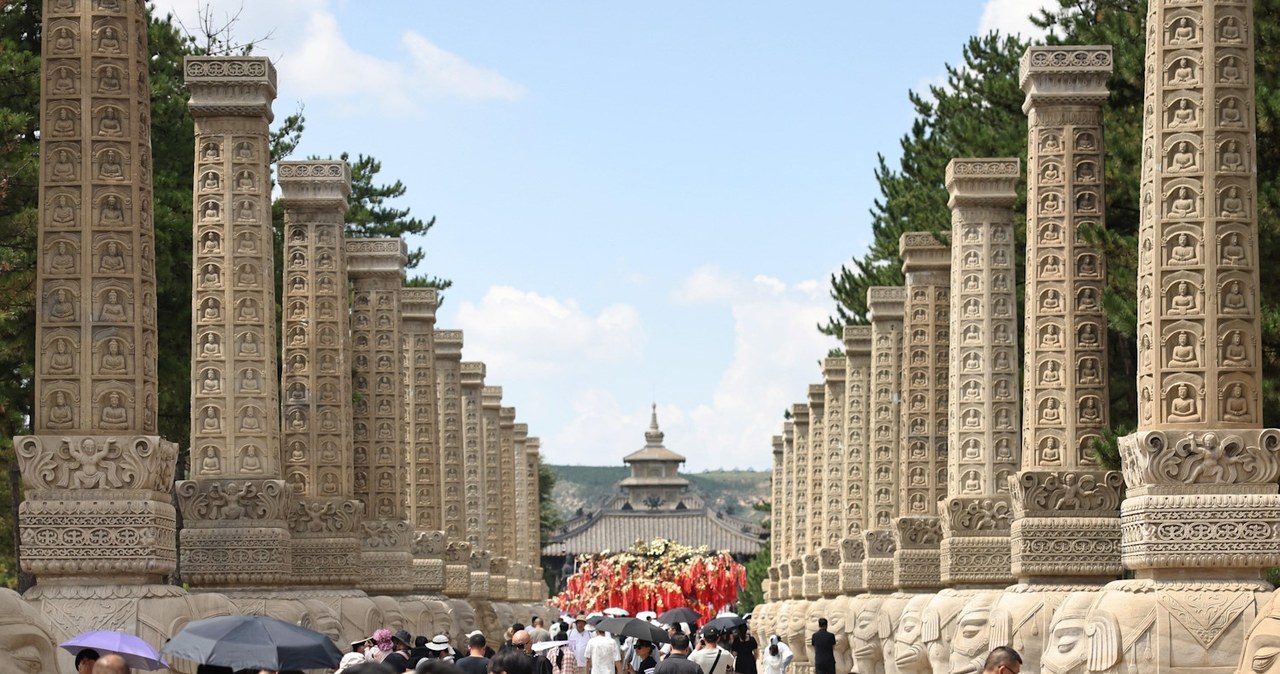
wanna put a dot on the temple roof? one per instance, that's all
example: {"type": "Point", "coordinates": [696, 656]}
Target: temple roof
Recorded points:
{"type": "Point", "coordinates": [618, 530]}
{"type": "Point", "coordinates": [653, 449]}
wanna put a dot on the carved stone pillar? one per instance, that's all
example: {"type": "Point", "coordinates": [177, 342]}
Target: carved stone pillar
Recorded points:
{"type": "Point", "coordinates": [96, 521]}
{"type": "Point", "coordinates": [533, 450]}
{"type": "Point", "coordinates": [376, 269]}
{"type": "Point", "coordinates": [325, 523]}
{"type": "Point", "coordinates": [922, 473]}
{"type": "Point", "coordinates": [472, 380]}
{"type": "Point", "coordinates": [422, 437]}
{"type": "Point", "coordinates": [857, 348]}
{"type": "Point", "coordinates": [832, 484]}
{"type": "Point", "coordinates": [815, 489]}
{"type": "Point", "coordinates": [789, 508]}
{"type": "Point", "coordinates": [800, 497]}
{"type": "Point", "coordinates": [886, 310]}
{"type": "Point", "coordinates": [984, 427]}
{"type": "Point", "coordinates": [1066, 509]}
{"type": "Point", "coordinates": [514, 502]}
{"type": "Point", "coordinates": [234, 512]}
{"type": "Point", "coordinates": [490, 411]}
{"type": "Point", "coordinates": [448, 352]}
{"type": "Point", "coordinates": [1199, 516]}
{"type": "Point", "coordinates": [776, 532]}
{"type": "Point", "coordinates": [526, 535]}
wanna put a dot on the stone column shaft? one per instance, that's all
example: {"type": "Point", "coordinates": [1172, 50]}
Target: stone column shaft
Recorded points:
{"type": "Point", "coordinates": [983, 428]}
{"type": "Point", "coordinates": [776, 517]}
{"type": "Point", "coordinates": [832, 484]}
{"type": "Point", "coordinates": [325, 522]}
{"type": "Point", "coordinates": [1062, 495]}
{"type": "Point", "coordinates": [422, 437]}
{"type": "Point", "coordinates": [857, 348]}
{"type": "Point", "coordinates": [815, 489]}
{"type": "Point", "coordinates": [533, 450]}
{"type": "Point", "coordinates": [95, 463]}
{"type": "Point", "coordinates": [886, 309]}
{"type": "Point", "coordinates": [922, 476]}
{"type": "Point", "coordinates": [472, 381]}
{"type": "Point", "coordinates": [1198, 424]}
{"type": "Point", "coordinates": [449, 388]}
{"type": "Point", "coordinates": [490, 407]}
{"type": "Point", "coordinates": [800, 497]}
{"type": "Point", "coordinates": [376, 269]}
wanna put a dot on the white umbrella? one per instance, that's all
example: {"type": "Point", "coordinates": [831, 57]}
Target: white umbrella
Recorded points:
{"type": "Point", "coordinates": [616, 612]}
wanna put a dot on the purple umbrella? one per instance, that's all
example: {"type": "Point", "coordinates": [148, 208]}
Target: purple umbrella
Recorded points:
{"type": "Point", "coordinates": [138, 653]}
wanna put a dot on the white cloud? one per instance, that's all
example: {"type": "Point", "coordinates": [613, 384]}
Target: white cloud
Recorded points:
{"type": "Point", "coordinates": [314, 58]}
{"type": "Point", "coordinates": [521, 333]}
{"type": "Point", "coordinates": [776, 349]}
{"type": "Point", "coordinates": [446, 73]}
{"type": "Point", "coordinates": [1012, 17]}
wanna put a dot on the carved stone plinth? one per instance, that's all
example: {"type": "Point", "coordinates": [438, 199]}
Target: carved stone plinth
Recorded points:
{"type": "Point", "coordinates": [386, 556]}
{"type": "Point", "coordinates": [428, 562]}
{"type": "Point", "coordinates": [916, 559]}
{"type": "Point", "coordinates": [877, 567]}
{"type": "Point", "coordinates": [852, 554]}
{"type": "Point", "coordinates": [812, 589]}
{"type": "Point", "coordinates": [97, 505]}
{"type": "Point", "coordinates": [829, 572]}
{"type": "Point", "coordinates": [1059, 528]}
{"type": "Point", "coordinates": [243, 539]}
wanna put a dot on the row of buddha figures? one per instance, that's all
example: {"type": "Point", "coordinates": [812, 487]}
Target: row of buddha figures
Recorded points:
{"type": "Point", "coordinates": [940, 492]}
{"type": "Point", "coordinates": [29, 636]}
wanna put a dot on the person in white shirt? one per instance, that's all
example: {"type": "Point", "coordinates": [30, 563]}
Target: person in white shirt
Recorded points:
{"type": "Point", "coordinates": [711, 658]}
{"type": "Point", "coordinates": [603, 655]}
{"type": "Point", "coordinates": [776, 656]}
{"type": "Point", "coordinates": [578, 637]}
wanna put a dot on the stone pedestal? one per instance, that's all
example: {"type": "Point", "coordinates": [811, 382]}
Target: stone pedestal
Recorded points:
{"type": "Point", "coordinates": [457, 570]}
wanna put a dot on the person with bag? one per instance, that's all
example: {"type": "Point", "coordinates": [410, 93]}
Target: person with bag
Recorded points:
{"type": "Point", "coordinates": [711, 658]}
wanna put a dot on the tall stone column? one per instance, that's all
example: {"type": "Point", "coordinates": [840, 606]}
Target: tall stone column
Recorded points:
{"type": "Point", "coordinates": [491, 409]}
{"type": "Point", "coordinates": [983, 425]}
{"type": "Point", "coordinates": [533, 450]}
{"type": "Point", "coordinates": [1199, 516]}
{"type": "Point", "coordinates": [815, 489]}
{"type": "Point", "coordinates": [448, 353]}
{"type": "Point", "coordinates": [800, 497]}
{"type": "Point", "coordinates": [235, 530]}
{"type": "Point", "coordinates": [789, 509]}
{"type": "Point", "coordinates": [474, 511]}
{"type": "Point", "coordinates": [376, 270]}
{"type": "Point", "coordinates": [1066, 509]}
{"type": "Point", "coordinates": [777, 518]}
{"type": "Point", "coordinates": [922, 474]}
{"type": "Point", "coordinates": [526, 529]}
{"type": "Point", "coordinates": [857, 348]}
{"type": "Point", "coordinates": [514, 498]}
{"type": "Point", "coordinates": [422, 437]}
{"type": "Point", "coordinates": [886, 310]}
{"type": "Point", "coordinates": [833, 372]}
{"type": "Point", "coordinates": [325, 523]}
{"type": "Point", "coordinates": [96, 507]}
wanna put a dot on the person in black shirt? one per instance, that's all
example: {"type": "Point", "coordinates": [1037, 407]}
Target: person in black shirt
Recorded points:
{"type": "Point", "coordinates": [476, 662]}
{"type": "Point", "coordinates": [824, 654]}
{"type": "Point", "coordinates": [644, 650]}
{"type": "Point", "coordinates": [744, 649]}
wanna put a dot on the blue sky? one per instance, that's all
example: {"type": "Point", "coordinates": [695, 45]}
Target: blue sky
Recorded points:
{"type": "Point", "coordinates": [636, 201]}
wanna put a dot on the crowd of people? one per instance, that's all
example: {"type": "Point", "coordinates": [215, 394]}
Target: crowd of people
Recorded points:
{"type": "Point", "coordinates": [572, 646]}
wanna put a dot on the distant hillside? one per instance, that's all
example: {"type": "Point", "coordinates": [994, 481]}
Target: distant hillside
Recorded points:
{"type": "Point", "coordinates": [730, 491]}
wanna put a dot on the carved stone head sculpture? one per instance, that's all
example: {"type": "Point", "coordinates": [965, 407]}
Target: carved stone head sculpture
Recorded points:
{"type": "Point", "coordinates": [816, 609]}
{"type": "Point", "coordinates": [970, 645]}
{"type": "Point", "coordinates": [867, 655]}
{"type": "Point", "coordinates": [938, 626]}
{"type": "Point", "coordinates": [886, 624]}
{"type": "Point", "coordinates": [25, 644]}
{"type": "Point", "coordinates": [464, 621]}
{"type": "Point", "coordinates": [910, 655]}
{"type": "Point", "coordinates": [441, 619]}
{"type": "Point", "coordinates": [797, 618]}
{"type": "Point", "coordinates": [1261, 654]}
{"type": "Point", "coordinates": [360, 617]}
{"type": "Point", "coordinates": [1067, 644]}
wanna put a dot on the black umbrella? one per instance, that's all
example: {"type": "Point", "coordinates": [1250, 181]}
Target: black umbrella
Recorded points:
{"type": "Point", "coordinates": [727, 623]}
{"type": "Point", "coordinates": [252, 642]}
{"type": "Point", "coordinates": [633, 627]}
{"type": "Point", "coordinates": [684, 614]}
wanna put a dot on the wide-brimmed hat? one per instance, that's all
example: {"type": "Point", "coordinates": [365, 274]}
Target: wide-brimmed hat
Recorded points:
{"type": "Point", "coordinates": [580, 618]}
{"type": "Point", "coordinates": [403, 637]}
{"type": "Point", "coordinates": [439, 643]}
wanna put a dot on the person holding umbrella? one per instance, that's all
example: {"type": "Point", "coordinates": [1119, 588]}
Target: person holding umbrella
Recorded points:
{"type": "Point", "coordinates": [85, 660]}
